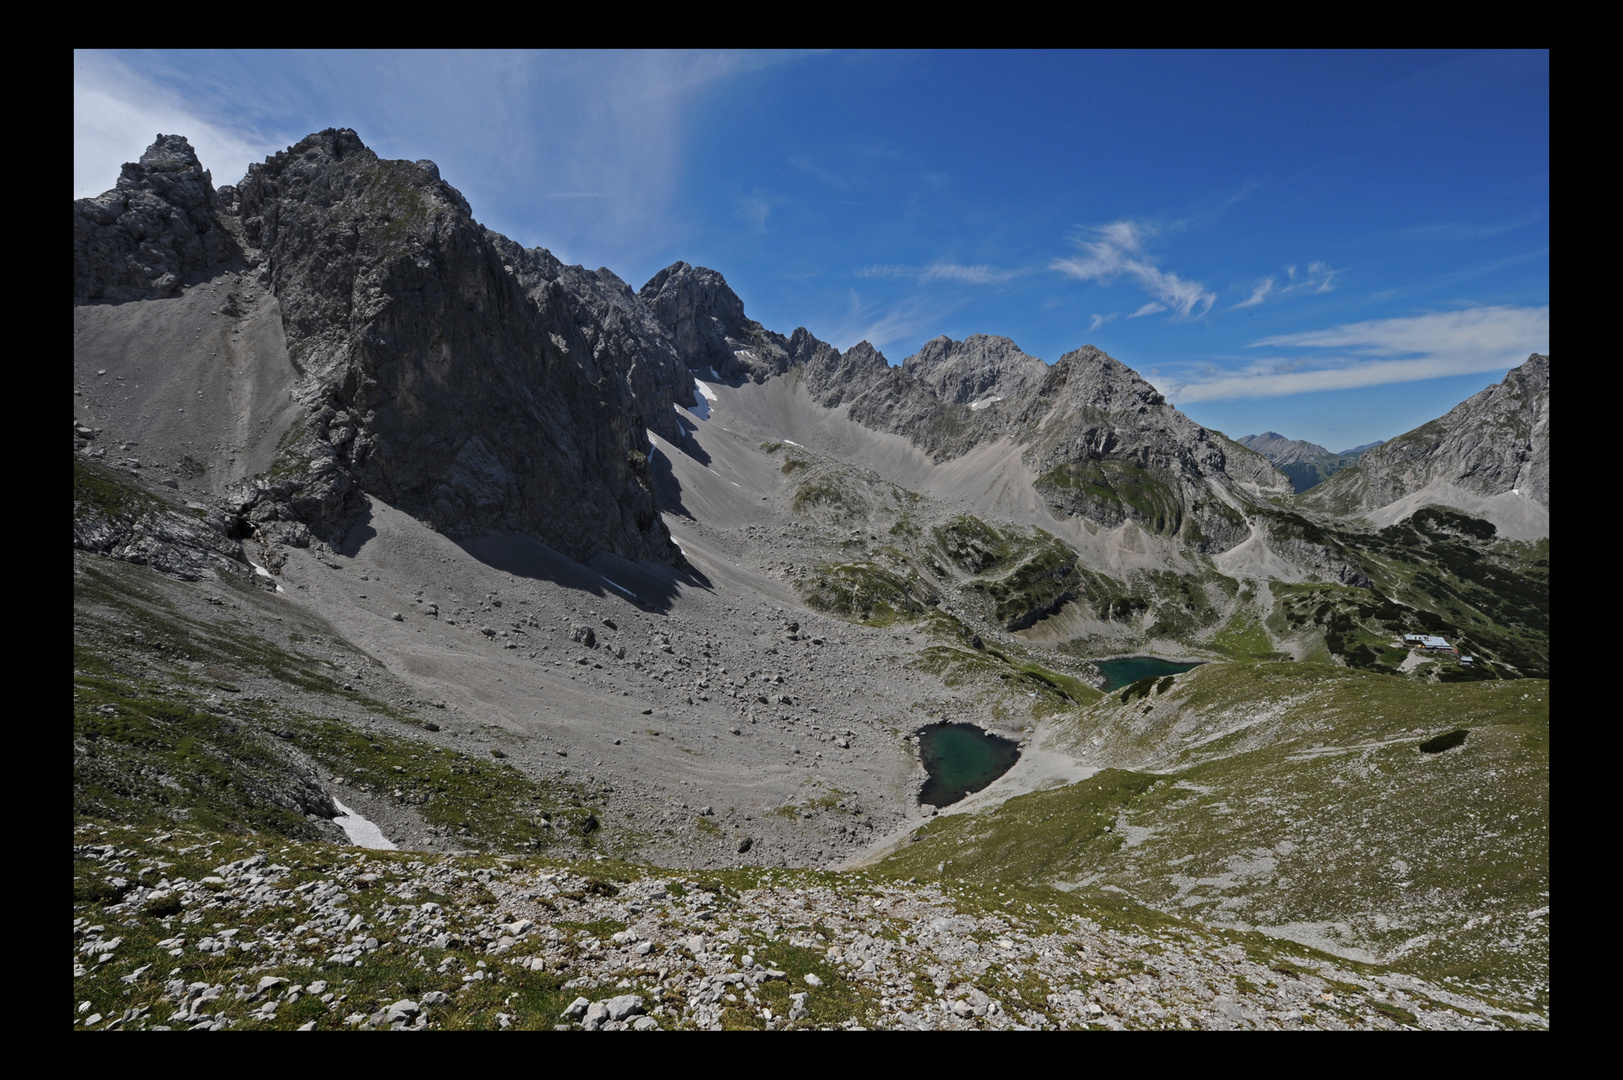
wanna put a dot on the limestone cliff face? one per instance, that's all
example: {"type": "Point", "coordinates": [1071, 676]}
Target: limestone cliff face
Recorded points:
{"type": "Point", "coordinates": [1494, 442]}
{"type": "Point", "coordinates": [476, 385]}
{"type": "Point", "coordinates": [705, 322]}
{"type": "Point", "coordinates": [619, 331]}
{"type": "Point", "coordinates": [153, 232]}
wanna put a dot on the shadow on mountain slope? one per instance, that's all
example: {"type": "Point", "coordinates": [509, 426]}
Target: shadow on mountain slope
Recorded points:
{"type": "Point", "coordinates": [652, 586]}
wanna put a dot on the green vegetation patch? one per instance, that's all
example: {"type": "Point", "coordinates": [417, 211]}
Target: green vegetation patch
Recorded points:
{"type": "Point", "coordinates": [143, 756]}
{"type": "Point", "coordinates": [163, 735]}
{"type": "Point", "coordinates": [868, 593]}
{"type": "Point", "coordinates": [1287, 796]}
{"type": "Point", "coordinates": [1245, 637]}
{"type": "Point", "coordinates": [976, 547]}
{"type": "Point", "coordinates": [826, 494]}
{"type": "Point", "coordinates": [1039, 586]}
{"type": "Point", "coordinates": [471, 799]}
{"type": "Point", "coordinates": [957, 667]}
{"type": "Point", "coordinates": [1290, 798]}
{"type": "Point", "coordinates": [1439, 571]}
{"type": "Point", "coordinates": [1031, 839]}
{"type": "Point", "coordinates": [1183, 603]}
{"type": "Point", "coordinates": [1111, 490]}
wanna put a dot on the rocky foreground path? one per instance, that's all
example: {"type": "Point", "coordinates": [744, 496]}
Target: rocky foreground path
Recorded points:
{"type": "Point", "coordinates": [186, 931]}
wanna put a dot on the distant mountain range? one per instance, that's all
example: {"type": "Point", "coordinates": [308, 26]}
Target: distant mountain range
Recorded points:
{"type": "Point", "coordinates": [1307, 464]}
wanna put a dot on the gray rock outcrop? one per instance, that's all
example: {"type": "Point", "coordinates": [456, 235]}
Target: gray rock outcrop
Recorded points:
{"type": "Point", "coordinates": [975, 370]}
{"type": "Point", "coordinates": [476, 385]}
{"type": "Point", "coordinates": [1106, 445]}
{"type": "Point", "coordinates": [1493, 443]}
{"type": "Point", "coordinates": [485, 387]}
{"type": "Point", "coordinates": [118, 518]}
{"type": "Point", "coordinates": [153, 232]}
{"type": "Point", "coordinates": [705, 322]}
{"type": "Point", "coordinates": [1103, 442]}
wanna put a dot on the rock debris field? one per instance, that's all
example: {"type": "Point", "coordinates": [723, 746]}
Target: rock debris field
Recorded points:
{"type": "Point", "coordinates": [310, 937]}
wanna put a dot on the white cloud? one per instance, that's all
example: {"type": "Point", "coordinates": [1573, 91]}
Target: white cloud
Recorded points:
{"type": "Point", "coordinates": [1382, 351]}
{"type": "Point", "coordinates": [1100, 320]}
{"type": "Point", "coordinates": [942, 271]}
{"type": "Point", "coordinates": [1148, 309]}
{"type": "Point", "coordinates": [882, 326]}
{"type": "Point", "coordinates": [1320, 277]}
{"type": "Point", "coordinates": [1118, 249]}
{"type": "Point", "coordinates": [969, 275]}
{"type": "Point", "coordinates": [1262, 289]}
{"type": "Point", "coordinates": [117, 115]}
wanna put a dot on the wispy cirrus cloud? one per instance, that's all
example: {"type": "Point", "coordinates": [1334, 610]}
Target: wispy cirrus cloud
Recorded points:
{"type": "Point", "coordinates": [1319, 277]}
{"type": "Point", "coordinates": [883, 325]}
{"type": "Point", "coordinates": [942, 271]}
{"type": "Point", "coordinates": [1376, 352]}
{"type": "Point", "coordinates": [1117, 250]}
{"type": "Point", "coordinates": [1100, 320]}
{"type": "Point", "coordinates": [1259, 293]}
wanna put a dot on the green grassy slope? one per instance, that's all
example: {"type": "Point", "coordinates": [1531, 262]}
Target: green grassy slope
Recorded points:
{"type": "Point", "coordinates": [1294, 798]}
{"type": "Point", "coordinates": [216, 714]}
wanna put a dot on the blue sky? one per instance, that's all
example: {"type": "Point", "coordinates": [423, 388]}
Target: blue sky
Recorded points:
{"type": "Point", "coordinates": [1335, 246]}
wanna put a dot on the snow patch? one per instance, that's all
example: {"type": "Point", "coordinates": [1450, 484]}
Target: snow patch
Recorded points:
{"type": "Point", "coordinates": [628, 592]}
{"type": "Point", "coordinates": [701, 406]}
{"type": "Point", "coordinates": [985, 402]}
{"type": "Point", "coordinates": [262, 572]}
{"type": "Point", "coordinates": [361, 832]}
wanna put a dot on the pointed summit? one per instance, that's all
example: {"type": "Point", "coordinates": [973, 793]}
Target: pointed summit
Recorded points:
{"type": "Point", "coordinates": [154, 230]}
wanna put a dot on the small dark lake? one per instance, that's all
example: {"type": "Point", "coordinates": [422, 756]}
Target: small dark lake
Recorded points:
{"type": "Point", "coordinates": [1130, 669]}
{"type": "Point", "coordinates": [961, 759]}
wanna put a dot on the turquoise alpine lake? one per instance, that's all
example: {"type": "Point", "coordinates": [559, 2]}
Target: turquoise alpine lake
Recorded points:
{"type": "Point", "coordinates": [961, 759]}
{"type": "Point", "coordinates": [1130, 669]}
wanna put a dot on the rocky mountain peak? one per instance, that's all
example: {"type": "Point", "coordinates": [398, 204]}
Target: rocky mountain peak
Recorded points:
{"type": "Point", "coordinates": [979, 367]}
{"type": "Point", "coordinates": [437, 366]}
{"type": "Point", "coordinates": [1531, 378]}
{"type": "Point", "coordinates": [1495, 442]}
{"type": "Point", "coordinates": [1489, 455]}
{"type": "Point", "coordinates": [705, 320]}
{"type": "Point", "coordinates": [156, 229]}
{"type": "Point", "coordinates": [168, 154]}
{"type": "Point", "coordinates": [1091, 378]}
